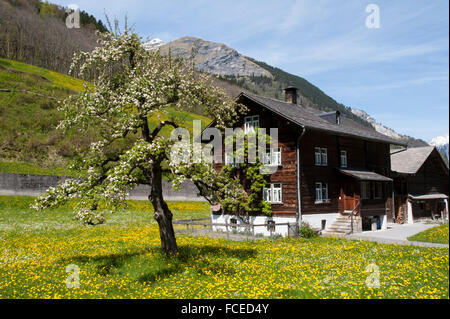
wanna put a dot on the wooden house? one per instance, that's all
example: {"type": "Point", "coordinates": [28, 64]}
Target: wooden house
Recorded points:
{"type": "Point", "coordinates": [421, 184]}
{"type": "Point", "coordinates": [331, 170]}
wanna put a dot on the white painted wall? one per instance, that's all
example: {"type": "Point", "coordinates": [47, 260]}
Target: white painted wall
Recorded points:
{"type": "Point", "coordinates": [410, 214]}
{"type": "Point", "coordinates": [281, 230]}
{"type": "Point", "coordinates": [314, 221]}
{"type": "Point", "coordinates": [446, 208]}
{"type": "Point", "coordinates": [384, 222]}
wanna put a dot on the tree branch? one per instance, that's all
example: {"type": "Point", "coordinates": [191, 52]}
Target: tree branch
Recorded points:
{"type": "Point", "coordinates": [160, 126]}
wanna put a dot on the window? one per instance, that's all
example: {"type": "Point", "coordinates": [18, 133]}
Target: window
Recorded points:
{"type": "Point", "coordinates": [378, 190]}
{"type": "Point", "coordinates": [371, 190]}
{"type": "Point", "coordinates": [321, 156]}
{"type": "Point", "coordinates": [272, 193]}
{"type": "Point", "coordinates": [271, 225]}
{"type": "Point", "coordinates": [321, 192]}
{"type": "Point", "coordinates": [365, 190]}
{"type": "Point", "coordinates": [250, 122]}
{"type": "Point", "coordinates": [317, 156]}
{"type": "Point", "coordinates": [233, 221]}
{"type": "Point", "coordinates": [324, 156]}
{"type": "Point", "coordinates": [343, 158]}
{"type": "Point", "coordinates": [272, 157]}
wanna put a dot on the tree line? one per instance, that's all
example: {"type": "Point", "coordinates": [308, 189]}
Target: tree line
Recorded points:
{"type": "Point", "coordinates": [35, 32]}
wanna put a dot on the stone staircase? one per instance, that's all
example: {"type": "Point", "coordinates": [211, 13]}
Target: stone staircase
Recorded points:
{"type": "Point", "coordinates": [343, 226]}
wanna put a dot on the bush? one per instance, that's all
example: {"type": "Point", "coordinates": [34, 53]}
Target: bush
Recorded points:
{"type": "Point", "coordinates": [306, 231]}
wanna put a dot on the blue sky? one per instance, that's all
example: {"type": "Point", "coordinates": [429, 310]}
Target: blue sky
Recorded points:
{"type": "Point", "coordinates": [398, 73]}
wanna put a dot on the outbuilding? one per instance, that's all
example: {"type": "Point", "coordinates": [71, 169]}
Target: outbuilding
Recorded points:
{"type": "Point", "coordinates": [421, 185]}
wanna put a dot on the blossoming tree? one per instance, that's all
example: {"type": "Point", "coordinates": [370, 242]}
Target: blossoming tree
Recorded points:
{"type": "Point", "coordinates": [130, 86]}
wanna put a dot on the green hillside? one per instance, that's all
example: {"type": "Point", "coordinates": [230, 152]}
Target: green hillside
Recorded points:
{"type": "Point", "coordinates": [29, 141]}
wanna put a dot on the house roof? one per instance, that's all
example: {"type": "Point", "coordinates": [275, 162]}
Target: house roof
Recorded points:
{"type": "Point", "coordinates": [411, 160]}
{"type": "Point", "coordinates": [365, 175]}
{"type": "Point", "coordinates": [305, 118]}
{"type": "Point", "coordinates": [428, 196]}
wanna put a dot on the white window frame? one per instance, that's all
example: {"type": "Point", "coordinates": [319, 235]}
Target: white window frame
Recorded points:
{"type": "Point", "coordinates": [274, 191]}
{"type": "Point", "coordinates": [321, 156]}
{"type": "Point", "coordinates": [250, 122]}
{"type": "Point", "coordinates": [317, 156]}
{"type": "Point", "coordinates": [321, 190]}
{"type": "Point", "coordinates": [272, 156]}
{"type": "Point", "coordinates": [343, 159]}
{"type": "Point", "coordinates": [324, 155]}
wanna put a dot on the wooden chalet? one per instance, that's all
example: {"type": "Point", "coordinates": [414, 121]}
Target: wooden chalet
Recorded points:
{"type": "Point", "coordinates": [331, 170]}
{"type": "Point", "coordinates": [421, 184]}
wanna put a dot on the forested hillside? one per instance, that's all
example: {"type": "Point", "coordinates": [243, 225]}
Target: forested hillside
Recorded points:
{"type": "Point", "coordinates": [35, 32]}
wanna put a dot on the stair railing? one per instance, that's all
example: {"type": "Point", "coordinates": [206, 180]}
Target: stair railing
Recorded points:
{"type": "Point", "coordinates": [354, 212]}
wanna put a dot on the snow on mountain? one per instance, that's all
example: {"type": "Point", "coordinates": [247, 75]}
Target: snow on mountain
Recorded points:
{"type": "Point", "coordinates": [441, 143]}
{"type": "Point", "coordinates": [154, 44]}
{"type": "Point", "coordinates": [440, 140]}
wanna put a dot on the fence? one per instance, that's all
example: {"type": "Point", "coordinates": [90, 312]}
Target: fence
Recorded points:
{"type": "Point", "coordinates": [231, 229]}
{"type": "Point", "coordinates": [33, 185]}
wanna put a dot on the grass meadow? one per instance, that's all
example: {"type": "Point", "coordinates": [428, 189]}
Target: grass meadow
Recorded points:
{"type": "Point", "coordinates": [122, 259]}
{"type": "Point", "coordinates": [438, 234]}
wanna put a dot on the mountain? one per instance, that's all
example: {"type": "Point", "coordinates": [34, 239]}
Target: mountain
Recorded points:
{"type": "Point", "coordinates": [260, 78]}
{"type": "Point", "coordinates": [442, 144]}
{"type": "Point", "coordinates": [153, 44]}
{"type": "Point", "coordinates": [380, 128]}
{"type": "Point", "coordinates": [215, 58]}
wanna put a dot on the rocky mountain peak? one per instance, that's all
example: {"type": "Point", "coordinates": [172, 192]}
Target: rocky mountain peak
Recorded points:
{"type": "Point", "coordinates": [215, 58]}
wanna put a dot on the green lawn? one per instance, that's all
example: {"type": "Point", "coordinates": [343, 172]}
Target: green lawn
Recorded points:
{"type": "Point", "coordinates": [57, 79]}
{"type": "Point", "coordinates": [438, 234]}
{"type": "Point", "coordinates": [122, 259]}
{"type": "Point", "coordinates": [17, 167]}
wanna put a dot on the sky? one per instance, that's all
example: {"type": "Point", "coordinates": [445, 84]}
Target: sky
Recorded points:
{"type": "Point", "coordinates": [397, 71]}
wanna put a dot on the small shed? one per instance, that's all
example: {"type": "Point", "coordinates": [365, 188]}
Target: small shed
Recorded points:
{"type": "Point", "coordinates": [421, 185]}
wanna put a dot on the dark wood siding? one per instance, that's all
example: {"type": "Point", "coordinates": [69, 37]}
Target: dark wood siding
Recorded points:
{"type": "Point", "coordinates": [432, 177]}
{"type": "Point", "coordinates": [361, 154]}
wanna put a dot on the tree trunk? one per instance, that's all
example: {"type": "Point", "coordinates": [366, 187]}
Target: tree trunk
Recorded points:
{"type": "Point", "coordinates": [162, 213]}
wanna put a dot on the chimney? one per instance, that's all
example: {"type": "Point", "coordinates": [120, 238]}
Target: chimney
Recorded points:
{"type": "Point", "coordinates": [290, 95]}
{"type": "Point", "coordinates": [332, 117]}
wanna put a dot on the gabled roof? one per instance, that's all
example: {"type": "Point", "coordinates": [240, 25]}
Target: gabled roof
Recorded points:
{"type": "Point", "coordinates": [305, 118]}
{"type": "Point", "coordinates": [411, 160]}
{"type": "Point", "coordinates": [428, 196]}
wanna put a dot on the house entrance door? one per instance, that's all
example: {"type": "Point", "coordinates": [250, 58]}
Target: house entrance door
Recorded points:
{"type": "Point", "coordinates": [348, 199]}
